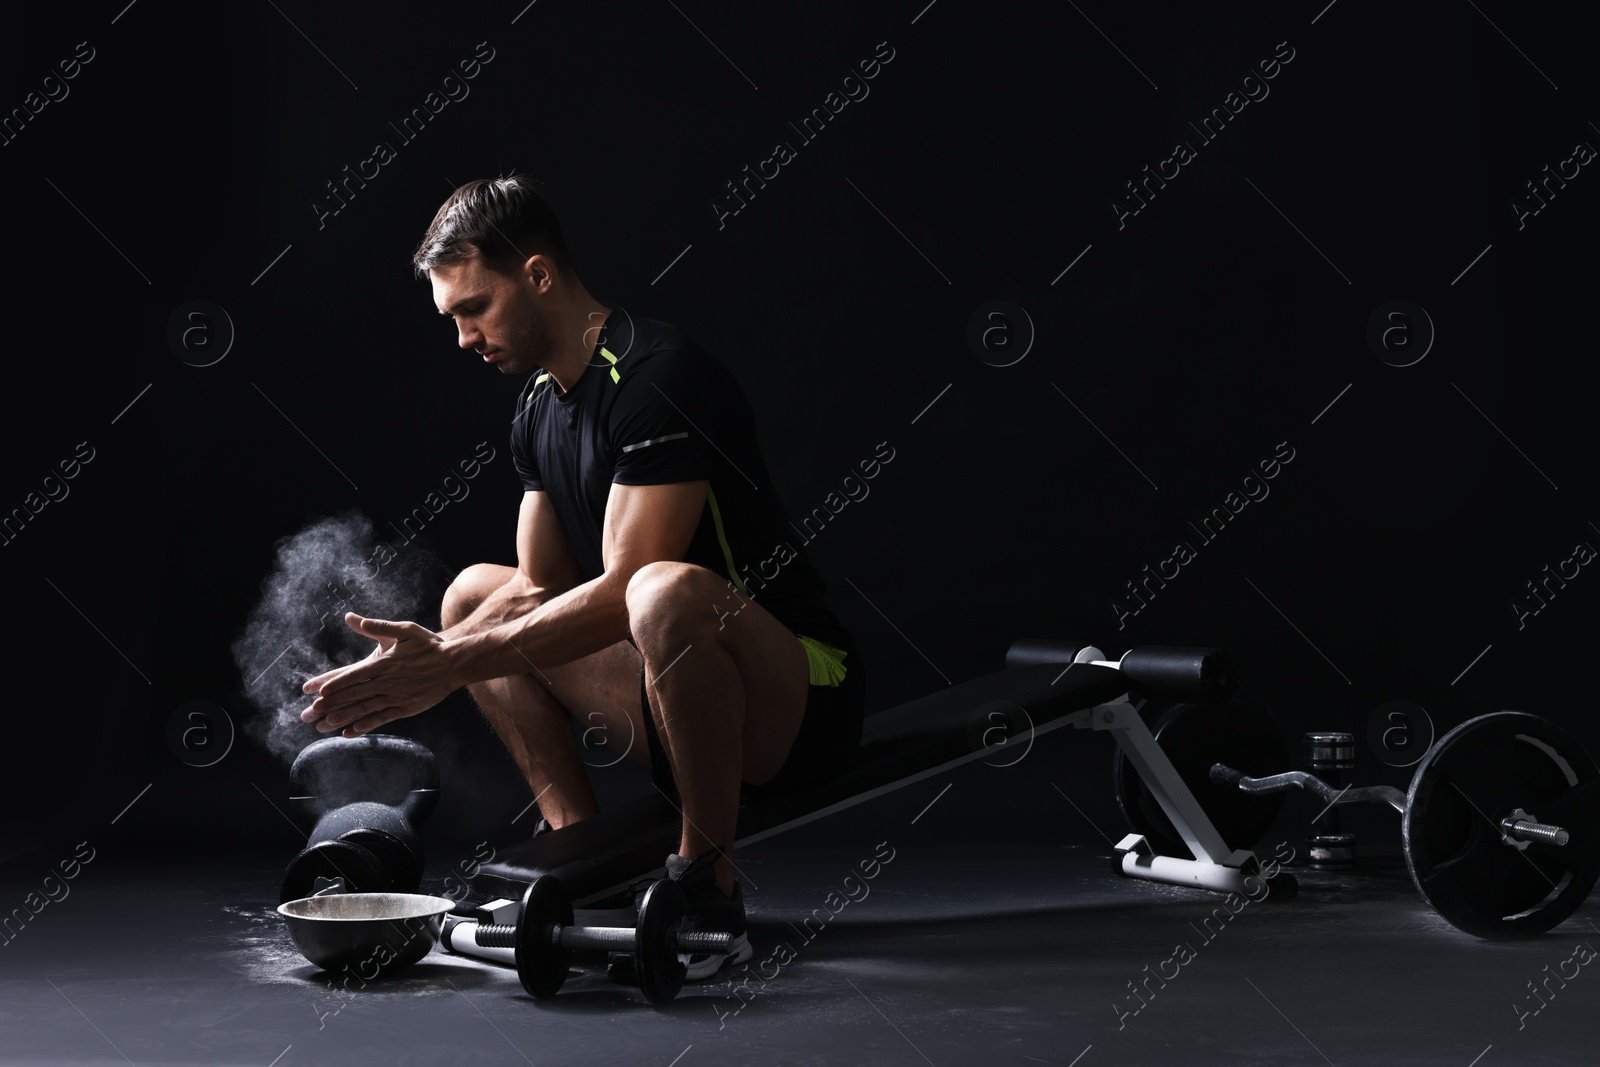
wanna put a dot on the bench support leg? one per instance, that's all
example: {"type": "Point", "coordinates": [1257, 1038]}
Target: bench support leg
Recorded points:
{"type": "Point", "coordinates": [1214, 866]}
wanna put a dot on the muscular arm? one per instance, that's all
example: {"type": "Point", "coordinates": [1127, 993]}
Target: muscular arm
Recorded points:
{"type": "Point", "coordinates": [545, 569]}
{"type": "Point", "coordinates": [522, 625]}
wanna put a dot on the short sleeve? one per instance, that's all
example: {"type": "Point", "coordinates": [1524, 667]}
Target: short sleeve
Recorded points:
{"type": "Point", "coordinates": [667, 413]}
{"type": "Point", "coordinates": [522, 451]}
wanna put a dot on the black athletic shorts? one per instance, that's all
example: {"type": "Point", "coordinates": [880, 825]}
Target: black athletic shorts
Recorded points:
{"type": "Point", "coordinates": [830, 731]}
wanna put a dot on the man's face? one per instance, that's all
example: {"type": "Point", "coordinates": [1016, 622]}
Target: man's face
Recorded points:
{"type": "Point", "coordinates": [496, 315]}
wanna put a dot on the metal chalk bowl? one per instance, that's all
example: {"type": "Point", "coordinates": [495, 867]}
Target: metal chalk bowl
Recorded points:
{"type": "Point", "coordinates": [371, 933]}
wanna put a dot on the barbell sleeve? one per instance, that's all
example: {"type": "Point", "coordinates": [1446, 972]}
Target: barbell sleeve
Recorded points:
{"type": "Point", "coordinates": [1527, 830]}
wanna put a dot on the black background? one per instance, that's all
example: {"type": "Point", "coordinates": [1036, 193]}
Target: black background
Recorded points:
{"type": "Point", "coordinates": [1176, 353]}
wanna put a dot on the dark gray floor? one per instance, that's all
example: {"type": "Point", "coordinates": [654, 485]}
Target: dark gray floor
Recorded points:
{"type": "Point", "coordinates": [1013, 944]}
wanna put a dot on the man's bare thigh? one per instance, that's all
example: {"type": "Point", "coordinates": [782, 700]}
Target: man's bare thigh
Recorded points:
{"type": "Point", "coordinates": [600, 691]}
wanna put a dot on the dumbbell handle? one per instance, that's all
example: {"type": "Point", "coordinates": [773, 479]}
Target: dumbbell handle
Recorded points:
{"type": "Point", "coordinates": [625, 939]}
{"type": "Point", "coordinates": [1277, 783]}
{"type": "Point", "coordinates": [605, 938]}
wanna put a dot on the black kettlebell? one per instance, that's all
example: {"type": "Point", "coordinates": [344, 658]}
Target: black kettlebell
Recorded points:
{"type": "Point", "coordinates": [367, 796]}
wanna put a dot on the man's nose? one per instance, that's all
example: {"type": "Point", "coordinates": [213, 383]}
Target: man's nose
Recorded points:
{"type": "Point", "coordinates": [470, 337]}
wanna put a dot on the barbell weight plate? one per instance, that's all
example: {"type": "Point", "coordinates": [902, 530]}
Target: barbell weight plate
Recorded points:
{"type": "Point", "coordinates": [661, 913]}
{"type": "Point", "coordinates": [542, 966]}
{"type": "Point", "coordinates": [1194, 736]}
{"type": "Point", "coordinates": [1476, 775]}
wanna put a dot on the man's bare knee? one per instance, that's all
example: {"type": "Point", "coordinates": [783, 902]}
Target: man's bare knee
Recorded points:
{"type": "Point", "coordinates": [667, 599]}
{"type": "Point", "coordinates": [470, 588]}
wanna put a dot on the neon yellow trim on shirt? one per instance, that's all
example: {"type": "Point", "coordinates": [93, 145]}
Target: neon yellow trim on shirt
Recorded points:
{"type": "Point", "coordinates": [722, 539]}
{"type": "Point", "coordinates": [534, 388]}
{"type": "Point", "coordinates": [824, 663]}
{"type": "Point", "coordinates": [606, 352]}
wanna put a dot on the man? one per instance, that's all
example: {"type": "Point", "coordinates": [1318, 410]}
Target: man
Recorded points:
{"type": "Point", "coordinates": [654, 596]}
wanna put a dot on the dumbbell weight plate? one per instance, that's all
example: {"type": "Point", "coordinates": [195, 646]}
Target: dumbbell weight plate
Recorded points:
{"type": "Point", "coordinates": [1194, 736]}
{"type": "Point", "coordinates": [1477, 774]}
{"type": "Point", "coordinates": [542, 966]}
{"type": "Point", "coordinates": [347, 860]}
{"type": "Point", "coordinates": [661, 913]}
{"type": "Point", "coordinates": [397, 859]}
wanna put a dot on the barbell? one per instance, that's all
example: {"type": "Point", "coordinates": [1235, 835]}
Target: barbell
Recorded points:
{"type": "Point", "coordinates": [1498, 825]}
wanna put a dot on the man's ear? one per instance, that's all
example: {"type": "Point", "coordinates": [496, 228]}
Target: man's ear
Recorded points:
{"type": "Point", "coordinates": [537, 268]}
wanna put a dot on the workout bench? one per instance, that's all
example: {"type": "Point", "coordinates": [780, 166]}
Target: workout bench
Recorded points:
{"type": "Point", "coordinates": [1045, 686]}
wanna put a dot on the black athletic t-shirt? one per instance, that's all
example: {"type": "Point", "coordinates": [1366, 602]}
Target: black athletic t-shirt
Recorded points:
{"type": "Point", "coordinates": [653, 408]}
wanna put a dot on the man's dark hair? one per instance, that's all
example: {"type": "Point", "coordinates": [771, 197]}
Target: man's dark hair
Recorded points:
{"type": "Point", "coordinates": [504, 219]}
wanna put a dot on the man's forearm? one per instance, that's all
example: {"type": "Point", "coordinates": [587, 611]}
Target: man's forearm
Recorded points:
{"type": "Point", "coordinates": [512, 600]}
{"type": "Point", "coordinates": [516, 630]}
